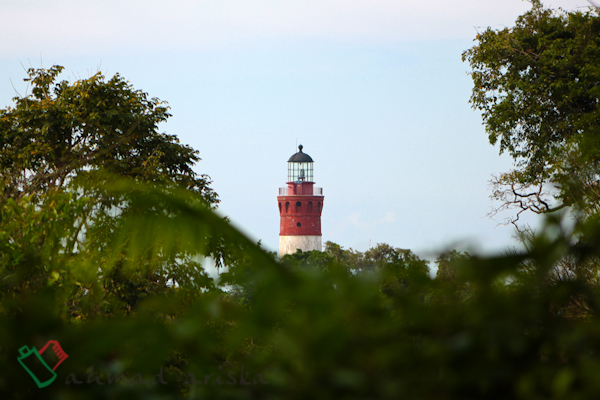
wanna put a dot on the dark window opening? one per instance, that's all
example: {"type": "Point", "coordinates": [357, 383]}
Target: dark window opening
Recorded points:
{"type": "Point", "coordinates": [309, 207]}
{"type": "Point", "coordinates": [287, 207]}
{"type": "Point", "coordinates": [298, 224]}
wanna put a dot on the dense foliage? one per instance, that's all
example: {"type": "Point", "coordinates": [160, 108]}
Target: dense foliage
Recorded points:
{"type": "Point", "coordinates": [103, 253]}
{"type": "Point", "coordinates": [505, 327]}
{"type": "Point", "coordinates": [60, 146]}
{"type": "Point", "coordinates": [537, 85]}
{"type": "Point", "coordinates": [62, 133]}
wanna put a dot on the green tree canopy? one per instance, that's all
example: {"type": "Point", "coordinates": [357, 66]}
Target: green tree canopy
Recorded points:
{"type": "Point", "coordinates": [63, 131]}
{"type": "Point", "coordinates": [140, 319]}
{"type": "Point", "coordinates": [537, 85]}
{"type": "Point", "coordinates": [449, 264]}
{"type": "Point", "coordinates": [309, 259]}
{"type": "Point", "coordinates": [395, 269]}
{"type": "Point", "coordinates": [74, 159]}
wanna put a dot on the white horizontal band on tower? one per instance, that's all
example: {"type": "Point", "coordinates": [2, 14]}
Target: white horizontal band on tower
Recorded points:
{"type": "Point", "coordinates": [289, 244]}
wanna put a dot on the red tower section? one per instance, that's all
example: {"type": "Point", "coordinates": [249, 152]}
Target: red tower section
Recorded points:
{"type": "Point", "coordinates": [300, 206]}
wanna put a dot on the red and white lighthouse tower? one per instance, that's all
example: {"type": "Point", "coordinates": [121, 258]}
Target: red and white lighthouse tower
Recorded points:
{"type": "Point", "coordinates": [300, 205]}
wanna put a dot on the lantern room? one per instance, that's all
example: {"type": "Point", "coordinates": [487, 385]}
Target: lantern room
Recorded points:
{"type": "Point", "coordinates": [300, 167]}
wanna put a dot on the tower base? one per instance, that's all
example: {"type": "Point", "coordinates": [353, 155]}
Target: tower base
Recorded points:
{"type": "Point", "coordinates": [289, 244]}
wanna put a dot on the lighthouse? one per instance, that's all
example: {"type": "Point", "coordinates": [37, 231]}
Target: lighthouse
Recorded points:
{"type": "Point", "coordinates": [300, 205]}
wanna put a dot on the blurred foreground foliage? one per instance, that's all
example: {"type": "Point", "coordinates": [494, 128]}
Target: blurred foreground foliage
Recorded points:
{"type": "Point", "coordinates": [524, 325]}
{"type": "Point", "coordinates": [105, 232]}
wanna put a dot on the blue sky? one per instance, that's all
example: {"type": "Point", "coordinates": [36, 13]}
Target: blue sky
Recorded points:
{"type": "Point", "coordinates": [374, 90]}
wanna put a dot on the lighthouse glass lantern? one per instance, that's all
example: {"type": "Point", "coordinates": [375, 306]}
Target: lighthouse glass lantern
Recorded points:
{"type": "Point", "coordinates": [300, 167]}
{"type": "Point", "coordinates": [300, 205]}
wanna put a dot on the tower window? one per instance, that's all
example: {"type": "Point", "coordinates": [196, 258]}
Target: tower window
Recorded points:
{"type": "Point", "coordinates": [287, 207]}
{"type": "Point", "coordinates": [298, 224]}
{"type": "Point", "coordinates": [279, 207]}
{"type": "Point", "coordinates": [309, 208]}
{"type": "Point", "coordinates": [298, 204]}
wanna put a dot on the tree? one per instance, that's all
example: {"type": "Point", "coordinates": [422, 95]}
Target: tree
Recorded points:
{"type": "Point", "coordinates": [450, 270]}
{"type": "Point", "coordinates": [309, 259]}
{"type": "Point", "coordinates": [77, 162]}
{"type": "Point", "coordinates": [63, 132]}
{"type": "Point", "coordinates": [351, 259]}
{"type": "Point", "coordinates": [449, 264]}
{"type": "Point", "coordinates": [370, 325]}
{"type": "Point", "coordinates": [537, 85]}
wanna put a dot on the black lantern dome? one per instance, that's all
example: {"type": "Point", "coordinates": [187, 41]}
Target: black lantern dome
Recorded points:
{"type": "Point", "coordinates": [300, 167]}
